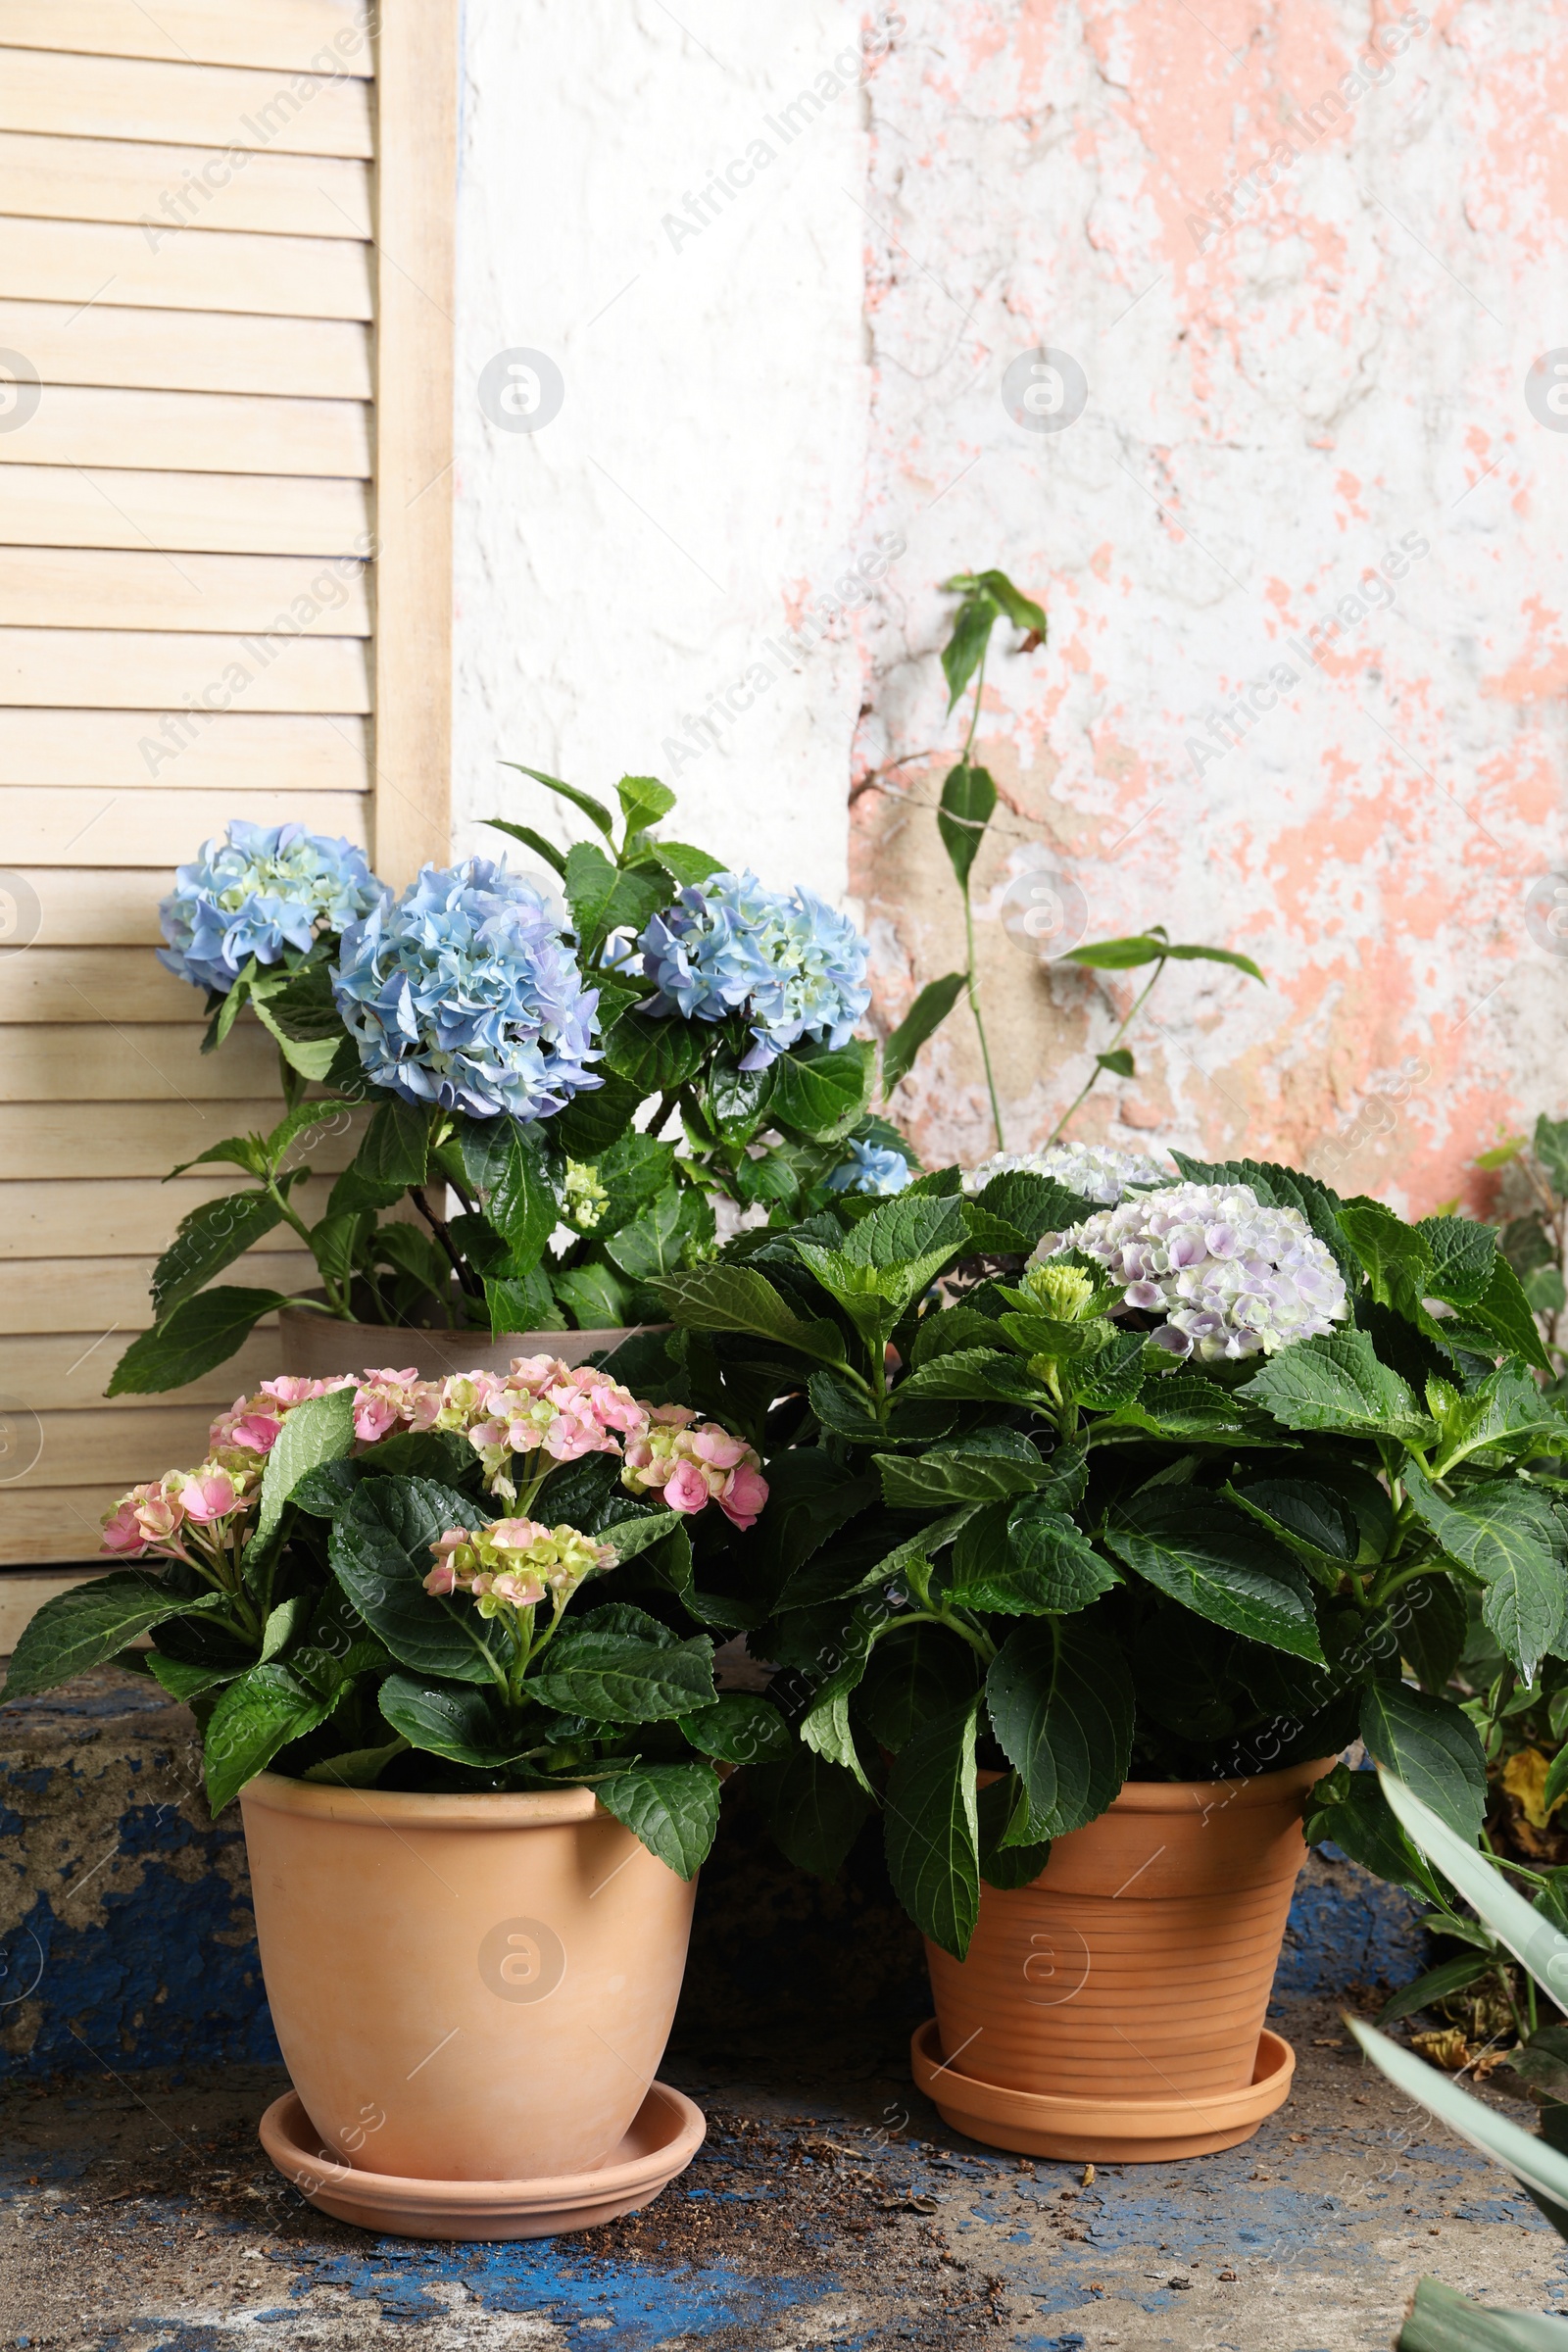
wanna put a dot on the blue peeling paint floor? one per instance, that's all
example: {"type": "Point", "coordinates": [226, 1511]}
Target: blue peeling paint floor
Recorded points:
{"type": "Point", "coordinates": [821, 2212]}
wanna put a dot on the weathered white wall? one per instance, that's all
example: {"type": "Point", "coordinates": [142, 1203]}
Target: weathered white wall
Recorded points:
{"type": "Point", "coordinates": [624, 565]}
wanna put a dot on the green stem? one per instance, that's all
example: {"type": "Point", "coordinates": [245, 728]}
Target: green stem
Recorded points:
{"type": "Point", "coordinates": [977, 1640]}
{"type": "Point", "coordinates": [969, 925]}
{"type": "Point", "coordinates": [1093, 1080]}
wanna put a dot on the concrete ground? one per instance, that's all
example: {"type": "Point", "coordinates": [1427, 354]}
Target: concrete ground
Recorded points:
{"type": "Point", "coordinates": [828, 2208]}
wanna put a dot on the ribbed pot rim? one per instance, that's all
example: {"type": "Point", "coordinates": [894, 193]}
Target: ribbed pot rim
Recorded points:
{"type": "Point", "coordinates": [412, 1809]}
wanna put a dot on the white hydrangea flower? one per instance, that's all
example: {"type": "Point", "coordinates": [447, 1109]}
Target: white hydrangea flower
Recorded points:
{"type": "Point", "coordinates": [1231, 1277]}
{"type": "Point", "coordinates": [1096, 1171]}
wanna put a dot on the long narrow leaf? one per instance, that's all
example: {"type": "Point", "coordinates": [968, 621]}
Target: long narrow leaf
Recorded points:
{"type": "Point", "coordinates": [595, 811]}
{"type": "Point", "coordinates": [1444, 2320]}
{"type": "Point", "coordinates": [1530, 2160]}
{"type": "Point", "coordinates": [1529, 1936]}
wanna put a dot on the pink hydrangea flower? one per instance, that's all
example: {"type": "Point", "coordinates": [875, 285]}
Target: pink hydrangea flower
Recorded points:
{"type": "Point", "coordinates": [685, 1488]}
{"type": "Point", "coordinates": [743, 1494]}
{"type": "Point", "coordinates": [691, 1467]}
{"type": "Point", "coordinates": [208, 1493]}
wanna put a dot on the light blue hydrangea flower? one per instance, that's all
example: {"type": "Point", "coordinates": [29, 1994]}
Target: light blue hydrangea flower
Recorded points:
{"type": "Point", "coordinates": [870, 1168]}
{"type": "Point", "coordinates": [788, 961]}
{"type": "Point", "coordinates": [463, 993]}
{"type": "Point", "coordinates": [267, 888]}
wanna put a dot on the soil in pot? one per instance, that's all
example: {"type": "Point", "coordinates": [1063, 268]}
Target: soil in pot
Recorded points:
{"type": "Point", "coordinates": [465, 1987]}
{"type": "Point", "coordinates": [1137, 1968]}
{"type": "Point", "coordinates": [320, 1348]}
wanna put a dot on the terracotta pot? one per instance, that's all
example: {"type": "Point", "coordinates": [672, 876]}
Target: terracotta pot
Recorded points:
{"type": "Point", "coordinates": [319, 1347]}
{"type": "Point", "coordinates": [1134, 1972]}
{"type": "Point", "coordinates": [465, 1987]}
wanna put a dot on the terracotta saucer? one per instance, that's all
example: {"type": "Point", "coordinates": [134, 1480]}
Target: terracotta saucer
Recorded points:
{"type": "Point", "coordinates": [1105, 2130]}
{"type": "Point", "coordinates": [665, 2136]}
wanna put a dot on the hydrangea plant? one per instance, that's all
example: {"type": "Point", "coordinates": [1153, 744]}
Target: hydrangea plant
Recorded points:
{"type": "Point", "coordinates": [1214, 1482]}
{"type": "Point", "coordinates": [568, 1097]}
{"type": "Point", "coordinates": [335, 1594]}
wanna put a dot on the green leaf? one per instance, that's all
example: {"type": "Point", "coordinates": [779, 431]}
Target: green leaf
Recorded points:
{"type": "Point", "coordinates": [310, 1039]}
{"type": "Point", "coordinates": [916, 1672]}
{"type": "Point", "coordinates": [1509, 1535]}
{"type": "Point", "coordinates": [1462, 1252]}
{"type": "Point", "coordinates": [741, 1727]}
{"type": "Point", "coordinates": [993, 1462]}
{"type": "Point", "coordinates": [1315, 1525]}
{"type": "Point", "coordinates": [1506, 1313]}
{"type": "Point", "coordinates": [394, 1154]}
{"type": "Point", "coordinates": [1350, 1809]}
{"type": "Point", "coordinates": [1119, 1062]}
{"type": "Point", "coordinates": [186, 1682]}
{"type": "Point", "coordinates": [1060, 1701]}
{"type": "Point", "coordinates": [596, 1118]}
{"type": "Point", "coordinates": [1450, 1976]}
{"type": "Point", "coordinates": [246, 1151]}
{"type": "Point", "coordinates": [1396, 1256]}
{"type": "Point", "coordinates": [595, 811]}
{"type": "Point", "coordinates": [965, 648]}
{"type": "Point", "coordinates": [1007, 1859]}
{"type": "Point", "coordinates": [977, 1374]}
{"type": "Point", "coordinates": [1201, 1551]}
{"type": "Point", "coordinates": [1022, 611]}
{"type": "Point", "coordinates": [284, 1624]}
{"type": "Point", "coordinates": [821, 1094]}
{"type": "Point", "coordinates": [531, 839]}
{"type": "Point", "coordinates": [1433, 1625]}
{"type": "Point", "coordinates": [629, 1536]}
{"type": "Point", "coordinates": [1433, 1749]}
{"type": "Point", "coordinates": [655, 1241]}
{"type": "Point", "coordinates": [75, 1631]}
{"type": "Point", "coordinates": [256, 1715]}
{"type": "Point", "coordinates": [504, 1167]}
{"type": "Point", "coordinates": [672, 1809]}
{"type": "Point", "coordinates": [320, 1430]}
{"type": "Point", "coordinates": [826, 1725]}
{"type": "Point", "coordinates": [464, 1725]}
{"type": "Point", "coordinates": [200, 1334]}
{"type": "Point", "coordinates": [643, 801]}
{"type": "Point", "coordinates": [356, 1767]}
{"type": "Point", "coordinates": [619, 1665]}
{"type": "Point", "coordinates": [1337, 1384]}
{"type": "Point", "coordinates": [1444, 2320]}
{"type": "Point", "coordinates": [380, 1555]}
{"type": "Point", "coordinates": [684, 864]}
{"type": "Point", "coordinates": [1550, 1147]}
{"type": "Point", "coordinates": [968, 798]}
{"type": "Point", "coordinates": [1026, 1559]}
{"type": "Point", "coordinates": [1450, 1846]}
{"type": "Point", "coordinates": [604, 898]}
{"type": "Point", "coordinates": [734, 1298]}
{"type": "Point", "coordinates": [1119, 954]}
{"type": "Point", "coordinates": [655, 1051]}
{"type": "Point", "coordinates": [523, 1303]}
{"type": "Point", "coordinates": [814, 1810]}
{"type": "Point", "coordinates": [931, 1830]}
{"type": "Point", "coordinates": [207, 1238]}
{"type": "Point", "coordinates": [924, 1017]}
{"type": "Point", "coordinates": [595, 1296]}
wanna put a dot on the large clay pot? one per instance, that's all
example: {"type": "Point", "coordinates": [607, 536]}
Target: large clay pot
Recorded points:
{"type": "Point", "coordinates": [465, 1987]}
{"type": "Point", "coordinates": [1117, 2004]}
{"type": "Point", "coordinates": [319, 1347]}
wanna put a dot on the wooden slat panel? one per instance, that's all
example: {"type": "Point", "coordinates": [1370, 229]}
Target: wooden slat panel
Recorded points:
{"type": "Point", "coordinates": [64, 1372]}
{"type": "Point", "coordinates": [91, 1295]}
{"type": "Point", "coordinates": [299, 36]}
{"type": "Point", "coordinates": [77, 905]}
{"type": "Point", "coordinates": [21, 1596]}
{"type": "Point", "coordinates": [265, 514]}
{"type": "Point", "coordinates": [54, 1523]}
{"type": "Point", "coordinates": [117, 1217]}
{"type": "Point", "coordinates": [416, 63]}
{"type": "Point", "coordinates": [81, 260]}
{"type": "Point", "coordinates": [116, 180]}
{"type": "Point", "coordinates": [190, 432]}
{"type": "Point", "coordinates": [48, 827]}
{"type": "Point", "coordinates": [94, 984]}
{"type": "Point", "coordinates": [199, 351]}
{"type": "Point", "coordinates": [123, 1447]}
{"type": "Point", "coordinates": [190, 106]}
{"type": "Point", "coordinates": [62, 1139]}
{"type": "Point", "coordinates": [152, 669]}
{"type": "Point", "coordinates": [91, 588]}
{"type": "Point", "coordinates": [163, 1064]}
{"type": "Point", "coordinates": [234, 751]}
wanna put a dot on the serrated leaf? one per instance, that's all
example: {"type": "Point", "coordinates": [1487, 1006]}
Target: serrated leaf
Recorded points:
{"type": "Point", "coordinates": [82, 1628]}
{"type": "Point", "coordinates": [1312, 1524]}
{"type": "Point", "coordinates": [821, 1094]}
{"type": "Point", "coordinates": [932, 1829]}
{"type": "Point", "coordinates": [644, 800]}
{"type": "Point", "coordinates": [1337, 1384]}
{"type": "Point", "coordinates": [200, 1334]}
{"type": "Point", "coordinates": [1026, 1558]}
{"type": "Point", "coordinates": [1061, 1702]}
{"type": "Point", "coordinates": [1434, 1748]}
{"type": "Point", "coordinates": [256, 1715]}
{"type": "Point", "coordinates": [207, 1238]}
{"type": "Point", "coordinates": [1211, 1557]}
{"type": "Point", "coordinates": [741, 1727]}
{"type": "Point", "coordinates": [619, 1665]}
{"type": "Point", "coordinates": [320, 1430]}
{"type": "Point", "coordinates": [672, 1809]}
{"type": "Point", "coordinates": [380, 1555]}
{"type": "Point", "coordinates": [735, 1298]}
{"type": "Point", "coordinates": [979, 1469]}
{"type": "Point", "coordinates": [969, 801]}
{"type": "Point", "coordinates": [1506, 1313]}
{"type": "Point", "coordinates": [596, 1118]}
{"type": "Point", "coordinates": [531, 839]}
{"type": "Point", "coordinates": [506, 1168]}
{"type": "Point", "coordinates": [457, 1721]}
{"type": "Point", "coordinates": [1510, 1536]}
{"type": "Point", "coordinates": [1461, 1253]}
{"type": "Point", "coordinates": [394, 1154]}
{"type": "Point", "coordinates": [654, 1053]}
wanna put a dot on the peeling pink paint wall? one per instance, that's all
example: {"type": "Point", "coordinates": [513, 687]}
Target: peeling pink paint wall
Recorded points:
{"type": "Point", "coordinates": [1318, 406]}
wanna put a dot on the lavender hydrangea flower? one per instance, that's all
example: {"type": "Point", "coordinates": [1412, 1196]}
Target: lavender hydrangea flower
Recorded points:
{"type": "Point", "coordinates": [870, 1168]}
{"type": "Point", "coordinates": [1096, 1171]}
{"type": "Point", "coordinates": [792, 965]}
{"type": "Point", "coordinates": [1231, 1277]}
{"type": "Point", "coordinates": [264, 889]}
{"type": "Point", "coordinates": [463, 993]}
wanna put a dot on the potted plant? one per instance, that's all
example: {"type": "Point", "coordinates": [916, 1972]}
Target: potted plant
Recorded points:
{"type": "Point", "coordinates": [451, 1645]}
{"type": "Point", "coordinates": [588, 1096]}
{"type": "Point", "coordinates": [1098, 1532]}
